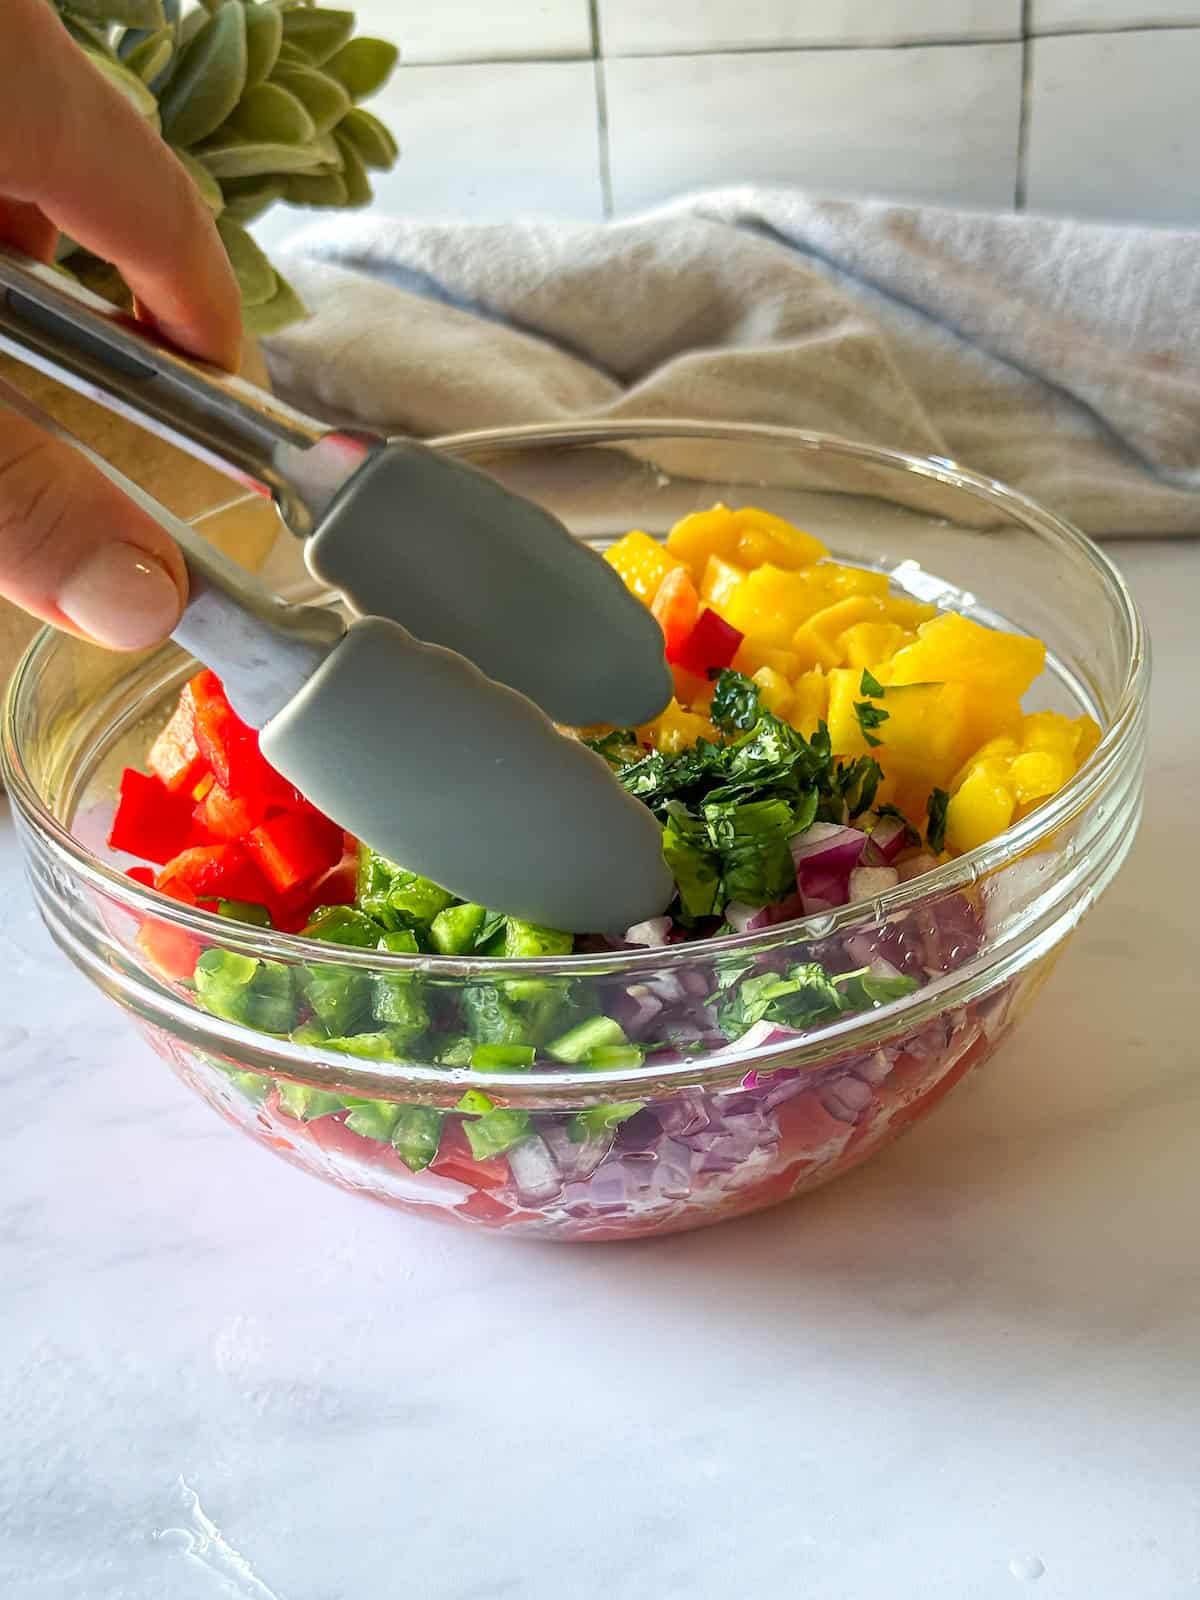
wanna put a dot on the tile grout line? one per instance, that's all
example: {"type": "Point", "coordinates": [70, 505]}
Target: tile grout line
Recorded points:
{"type": "Point", "coordinates": [602, 145]}
{"type": "Point", "coordinates": [1021, 182]}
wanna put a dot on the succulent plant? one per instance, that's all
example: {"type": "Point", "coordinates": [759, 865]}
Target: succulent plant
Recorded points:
{"type": "Point", "coordinates": [257, 98]}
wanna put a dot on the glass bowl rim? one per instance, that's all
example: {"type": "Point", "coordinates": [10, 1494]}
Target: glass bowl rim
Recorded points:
{"type": "Point", "coordinates": [954, 875]}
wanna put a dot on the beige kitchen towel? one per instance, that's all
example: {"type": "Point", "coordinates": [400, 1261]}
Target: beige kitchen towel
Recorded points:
{"type": "Point", "coordinates": [1060, 357]}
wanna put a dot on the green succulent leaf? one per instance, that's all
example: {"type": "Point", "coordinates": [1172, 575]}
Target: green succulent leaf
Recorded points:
{"type": "Point", "coordinates": [91, 35]}
{"type": "Point", "coordinates": [210, 189]}
{"type": "Point", "coordinates": [369, 137]}
{"type": "Point", "coordinates": [291, 55]}
{"type": "Point", "coordinates": [323, 97]}
{"type": "Point", "coordinates": [264, 35]}
{"type": "Point", "coordinates": [284, 308]}
{"type": "Point", "coordinates": [325, 153]}
{"type": "Point", "coordinates": [151, 54]}
{"type": "Point", "coordinates": [363, 65]}
{"type": "Point", "coordinates": [326, 189]}
{"type": "Point", "coordinates": [255, 274]}
{"type": "Point", "coordinates": [248, 198]}
{"type": "Point", "coordinates": [231, 157]}
{"type": "Point", "coordinates": [130, 85]}
{"type": "Point", "coordinates": [317, 32]}
{"type": "Point", "coordinates": [209, 79]}
{"type": "Point", "coordinates": [126, 13]}
{"type": "Point", "coordinates": [269, 114]}
{"type": "Point", "coordinates": [354, 174]}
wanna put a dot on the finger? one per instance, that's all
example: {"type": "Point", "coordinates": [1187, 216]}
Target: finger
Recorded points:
{"type": "Point", "coordinates": [75, 551]}
{"type": "Point", "coordinates": [27, 228]}
{"type": "Point", "coordinates": [74, 146]}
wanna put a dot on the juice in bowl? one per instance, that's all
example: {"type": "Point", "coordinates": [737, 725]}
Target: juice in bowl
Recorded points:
{"type": "Point", "coordinates": [905, 756]}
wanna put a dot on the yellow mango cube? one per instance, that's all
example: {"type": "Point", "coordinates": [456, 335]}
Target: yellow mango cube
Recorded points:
{"type": "Point", "coordinates": [1051, 732]}
{"type": "Point", "coordinates": [818, 641]}
{"type": "Point", "coordinates": [1089, 738]}
{"type": "Point", "coordinates": [996, 757]}
{"type": "Point", "coordinates": [952, 648]}
{"type": "Point", "coordinates": [909, 613]}
{"type": "Point", "coordinates": [642, 563]}
{"type": "Point", "coordinates": [702, 534]}
{"type": "Point", "coordinates": [845, 732]}
{"type": "Point", "coordinates": [840, 581]}
{"type": "Point", "coordinates": [720, 579]}
{"type": "Point", "coordinates": [751, 656]}
{"type": "Point", "coordinates": [925, 727]}
{"type": "Point", "coordinates": [764, 538]}
{"type": "Point", "coordinates": [774, 689]}
{"type": "Point", "coordinates": [981, 808]}
{"type": "Point", "coordinates": [810, 701]}
{"type": "Point", "coordinates": [992, 716]}
{"type": "Point", "coordinates": [771, 603]}
{"type": "Point", "coordinates": [1036, 774]}
{"type": "Point", "coordinates": [869, 644]}
{"type": "Point", "coordinates": [676, 729]}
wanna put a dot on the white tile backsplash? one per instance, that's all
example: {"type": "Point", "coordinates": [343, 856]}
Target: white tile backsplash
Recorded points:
{"type": "Point", "coordinates": [480, 30]}
{"type": "Point", "coordinates": [1048, 15]}
{"type": "Point", "coordinates": [935, 124]}
{"type": "Point", "coordinates": [485, 143]}
{"type": "Point", "coordinates": [635, 27]}
{"type": "Point", "coordinates": [1115, 125]}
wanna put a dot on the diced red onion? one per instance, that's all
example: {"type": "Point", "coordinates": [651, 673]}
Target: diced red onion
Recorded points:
{"type": "Point", "coordinates": [846, 1098]}
{"type": "Point", "coordinates": [535, 1171]}
{"type": "Point", "coordinates": [887, 839]}
{"type": "Point", "coordinates": [652, 933]}
{"type": "Point", "coordinates": [747, 919]}
{"type": "Point", "coordinates": [830, 843]}
{"type": "Point", "coordinates": [915, 866]}
{"type": "Point", "coordinates": [867, 882]}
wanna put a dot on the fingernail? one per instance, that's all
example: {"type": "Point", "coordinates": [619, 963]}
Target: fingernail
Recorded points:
{"type": "Point", "coordinates": [121, 597]}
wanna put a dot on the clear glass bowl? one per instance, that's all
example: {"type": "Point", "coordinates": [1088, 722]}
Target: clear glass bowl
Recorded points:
{"type": "Point", "coordinates": [725, 1127]}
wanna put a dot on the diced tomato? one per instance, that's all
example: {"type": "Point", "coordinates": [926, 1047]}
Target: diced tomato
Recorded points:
{"type": "Point", "coordinates": [143, 875]}
{"type": "Point", "coordinates": [485, 1208]}
{"type": "Point", "coordinates": [213, 871]}
{"type": "Point", "coordinates": [150, 821]}
{"type": "Point", "coordinates": [713, 642]}
{"type": "Point", "coordinates": [454, 1160]}
{"type": "Point", "coordinates": [295, 848]}
{"type": "Point", "coordinates": [676, 606]}
{"type": "Point", "coordinates": [175, 756]}
{"type": "Point", "coordinates": [171, 951]}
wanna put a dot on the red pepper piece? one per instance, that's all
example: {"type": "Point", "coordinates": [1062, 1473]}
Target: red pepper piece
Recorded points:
{"type": "Point", "coordinates": [175, 756]}
{"type": "Point", "coordinates": [213, 872]}
{"type": "Point", "coordinates": [712, 643]}
{"type": "Point", "coordinates": [170, 950]}
{"type": "Point", "coordinates": [143, 875]}
{"type": "Point", "coordinates": [224, 816]}
{"type": "Point", "coordinates": [676, 607]}
{"type": "Point", "coordinates": [150, 821]}
{"type": "Point", "coordinates": [231, 748]}
{"type": "Point", "coordinates": [295, 848]}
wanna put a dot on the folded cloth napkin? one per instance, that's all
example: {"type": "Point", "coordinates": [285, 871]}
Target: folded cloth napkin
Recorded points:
{"type": "Point", "coordinates": [1060, 357]}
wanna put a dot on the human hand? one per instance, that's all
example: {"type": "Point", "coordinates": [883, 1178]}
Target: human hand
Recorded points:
{"type": "Point", "coordinates": [75, 155]}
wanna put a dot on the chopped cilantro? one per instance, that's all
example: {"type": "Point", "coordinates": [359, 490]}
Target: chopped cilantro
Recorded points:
{"type": "Point", "coordinates": [935, 808]}
{"type": "Point", "coordinates": [870, 685]}
{"type": "Point", "coordinates": [735, 701]}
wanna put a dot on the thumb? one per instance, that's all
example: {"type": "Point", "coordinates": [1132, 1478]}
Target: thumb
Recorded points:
{"type": "Point", "coordinates": [75, 551]}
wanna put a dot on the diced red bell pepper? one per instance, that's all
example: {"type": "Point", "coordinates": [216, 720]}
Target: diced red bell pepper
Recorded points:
{"type": "Point", "coordinates": [224, 816]}
{"type": "Point", "coordinates": [143, 875]}
{"type": "Point", "coordinates": [294, 848]}
{"type": "Point", "coordinates": [213, 872]}
{"type": "Point", "coordinates": [676, 607]}
{"type": "Point", "coordinates": [150, 821]}
{"type": "Point", "coordinates": [712, 643]}
{"type": "Point", "coordinates": [454, 1160]}
{"type": "Point", "coordinates": [175, 756]}
{"type": "Point", "coordinates": [231, 749]}
{"type": "Point", "coordinates": [171, 951]}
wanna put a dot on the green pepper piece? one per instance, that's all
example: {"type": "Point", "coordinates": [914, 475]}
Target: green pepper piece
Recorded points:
{"type": "Point", "coordinates": [597, 1120]}
{"type": "Point", "coordinates": [577, 1043]}
{"type": "Point", "coordinates": [453, 932]}
{"type": "Point", "coordinates": [502, 1057]}
{"type": "Point", "coordinates": [496, 1131]}
{"type": "Point", "coordinates": [416, 1135]}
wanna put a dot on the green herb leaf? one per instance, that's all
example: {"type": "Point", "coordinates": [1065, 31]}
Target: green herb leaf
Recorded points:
{"type": "Point", "coordinates": [869, 718]}
{"type": "Point", "coordinates": [736, 701]}
{"type": "Point", "coordinates": [870, 685]}
{"type": "Point", "coordinates": [694, 863]}
{"type": "Point", "coordinates": [935, 811]}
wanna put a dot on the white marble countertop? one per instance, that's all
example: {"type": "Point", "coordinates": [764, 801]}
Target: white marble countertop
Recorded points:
{"type": "Point", "coordinates": [967, 1372]}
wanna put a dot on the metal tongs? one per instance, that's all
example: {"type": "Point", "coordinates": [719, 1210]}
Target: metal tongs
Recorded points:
{"type": "Point", "coordinates": [417, 727]}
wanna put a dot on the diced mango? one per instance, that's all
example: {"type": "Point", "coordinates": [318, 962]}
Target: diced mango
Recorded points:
{"type": "Point", "coordinates": [770, 605]}
{"type": "Point", "coordinates": [751, 656]}
{"type": "Point", "coordinates": [720, 579]}
{"type": "Point", "coordinates": [1089, 738]}
{"type": "Point", "coordinates": [766, 538]}
{"type": "Point", "coordinates": [691, 690]}
{"type": "Point", "coordinates": [909, 613]}
{"type": "Point", "coordinates": [925, 727]}
{"type": "Point", "coordinates": [869, 644]}
{"type": "Point", "coordinates": [810, 701]}
{"type": "Point", "coordinates": [642, 562]}
{"type": "Point", "coordinates": [952, 648]}
{"type": "Point", "coordinates": [982, 808]}
{"type": "Point", "coordinates": [702, 534]}
{"type": "Point", "coordinates": [845, 731]}
{"type": "Point", "coordinates": [996, 756]}
{"type": "Point", "coordinates": [991, 716]}
{"type": "Point", "coordinates": [1035, 774]}
{"type": "Point", "coordinates": [818, 641]}
{"type": "Point", "coordinates": [774, 690]}
{"type": "Point", "coordinates": [840, 581]}
{"type": "Point", "coordinates": [675, 729]}
{"type": "Point", "coordinates": [1050, 731]}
